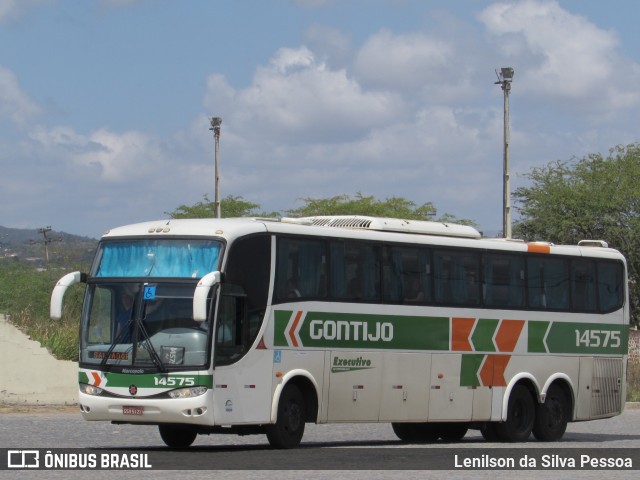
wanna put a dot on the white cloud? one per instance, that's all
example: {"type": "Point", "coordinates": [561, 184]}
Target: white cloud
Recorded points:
{"type": "Point", "coordinates": [562, 55]}
{"type": "Point", "coordinates": [15, 104]}
{"type": "Point", "coordinates": [331, 45]}
{"type": "Point", "coordinates": [403, 61]}
{"type": "Point", "coordinates": [298, 98]}
{"type": "Point", "coordinates": [107, 156]}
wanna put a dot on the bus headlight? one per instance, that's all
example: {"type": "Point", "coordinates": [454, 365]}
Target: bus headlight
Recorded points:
{"type": "Point", "coordinates": [187, 392]}
{"type": "Point", "coordinates": [90, 389]}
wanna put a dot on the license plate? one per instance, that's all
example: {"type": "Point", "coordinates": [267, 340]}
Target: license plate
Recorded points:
{"type": "Point", "coordinates": [132, 410]}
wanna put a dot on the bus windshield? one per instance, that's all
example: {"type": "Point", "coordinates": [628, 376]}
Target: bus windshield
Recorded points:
{"type": "Point", "coordinates": [142, 324]}
{"type": "Point", "coordinates": [138, 309]}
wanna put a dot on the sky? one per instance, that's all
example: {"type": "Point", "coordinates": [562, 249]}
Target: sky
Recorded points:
{"type": "Point", "coordinates": [105, 104]}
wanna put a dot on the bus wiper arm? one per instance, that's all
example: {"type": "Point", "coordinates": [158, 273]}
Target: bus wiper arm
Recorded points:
{"type": "Point", "coordinates": [118, 339]}
{"type": "Point", "coordinates": [149, 346]}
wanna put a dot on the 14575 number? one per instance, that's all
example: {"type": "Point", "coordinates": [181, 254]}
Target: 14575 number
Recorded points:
{"type": "Point", "coordinates": [597, 338]}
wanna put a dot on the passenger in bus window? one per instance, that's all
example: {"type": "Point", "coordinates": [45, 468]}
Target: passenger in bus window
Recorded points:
{"type": "Point", "coordinates": [414, 293]}
{"type": "Point", "coordinates": [124, 315]}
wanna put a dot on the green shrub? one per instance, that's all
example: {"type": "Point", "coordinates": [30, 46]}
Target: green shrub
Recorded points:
{"type": "Point", "coordinates": [25, 294]}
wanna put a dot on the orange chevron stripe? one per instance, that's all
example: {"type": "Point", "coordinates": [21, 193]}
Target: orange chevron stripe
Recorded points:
{"type": "Point", "coordinates": [492, 370]}
{"type": "Point", "coordinates": [294, 342]}
{"type": "Point", "coordinates": [508, 335]}
{"type": "Point", "coordinates": [96, 379]}
{"type": "Point", "coordinates": [461, 329]}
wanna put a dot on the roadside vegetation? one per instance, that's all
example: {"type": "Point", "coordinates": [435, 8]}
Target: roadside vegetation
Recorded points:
{"type": "Point", "coordinates": [24, 297]}
{"type": "Point", "coordinates": [633, 367]}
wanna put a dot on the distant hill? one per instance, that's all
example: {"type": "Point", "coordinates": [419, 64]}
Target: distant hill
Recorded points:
{"type": "Point", "coordinates": [28, 246]}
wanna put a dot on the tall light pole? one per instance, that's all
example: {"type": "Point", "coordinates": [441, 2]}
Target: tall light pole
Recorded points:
{"type": "Point", "coordinates": [215, 127]}
{"type": "Point", "coordinates": [505, 77]}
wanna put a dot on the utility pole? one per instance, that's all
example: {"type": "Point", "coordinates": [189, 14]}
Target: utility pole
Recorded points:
{"type": "Point", "coordinates": [215, 127]}
{"type": "Point", "coordinates": [46, 242]}
{"type": "Point", "coordinates": [505, 77]}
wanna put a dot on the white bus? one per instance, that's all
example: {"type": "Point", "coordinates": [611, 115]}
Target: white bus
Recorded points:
{"type": "Point", "coordinates": [260, 326]}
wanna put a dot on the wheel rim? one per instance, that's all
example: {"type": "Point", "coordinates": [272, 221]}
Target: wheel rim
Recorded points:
{"type": "Point", "coordinates": [293, 414]}
{"type": "Point", "coordinates": [555, 413]}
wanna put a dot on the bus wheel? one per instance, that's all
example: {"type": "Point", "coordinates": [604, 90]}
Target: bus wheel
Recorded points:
{"type": "Point", "coordinates": [289, 427]}
{"type": "Point", "coordinates": [416, 432]}
{"type": "Point", "coordinates": [489, 432]}
{"type": "Point", "coordinates": [521, 414]}
{"type": "Point", "coordinates": [552, 416]}
{"type": "Point", "coordinates": [176, 436]}
{"type": "Point", "coordinates": [453, 432]}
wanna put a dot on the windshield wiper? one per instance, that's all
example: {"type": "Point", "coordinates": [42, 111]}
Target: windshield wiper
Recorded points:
{"type": "Point", "coordinates": [149, 346]}
{"type": "Point", "coordinates": [123, 332]}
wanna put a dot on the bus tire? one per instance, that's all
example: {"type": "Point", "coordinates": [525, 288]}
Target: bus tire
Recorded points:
{"type": "Point", "coordinates": [521, 413]}
{"type": "Point", "coordinates": [416, 432]}
{"type": "Point", "coordinates": [453, 431]}
{"type": "Point", "coordinates": [552, 416]}
{"type": "Point", "coordinates": [177, 436]}
{"type": "Point", "coordinates": [289, 427]}
{"type": "Point", "coordinates": [489, 432]}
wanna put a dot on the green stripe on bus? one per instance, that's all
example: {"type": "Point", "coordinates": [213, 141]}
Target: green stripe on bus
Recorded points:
{"type": "Point", "coordinates": [151, 380]}
{"type": "Point", "coordinates": [482, 337]}
{"type": "Point", "coordinates": [588, 338]}
{"type": "Point", "coordinates": [281, 318]}
{"type": "Point", "coordinates": [371, 331]}
{"type": "Point", "coordinates": [537, 331]}
{"type": "Point", "coordinates": [469, 370]}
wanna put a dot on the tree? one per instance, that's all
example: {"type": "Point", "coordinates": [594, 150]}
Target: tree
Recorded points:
{"type": "Point", "coordinates": [395, 207]}
{"type": "Point", "coordinates": [594, 197]}
{"type": "Point", "coordinates": [230, 206]}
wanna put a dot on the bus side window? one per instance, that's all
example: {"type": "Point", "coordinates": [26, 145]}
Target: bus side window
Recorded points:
{"type": "Point", "coordinates": [610, 286]}
{"type": "Point", "coordinates": [243, 297]}
{"type": "Point", "coordinates": [301, 270]}
{"type": "Point", "coordinates": [456, 278]}
{"type": "Point", "coordinates": [583, 285]}
{"type": "Point", "coordinates": [503, 284]}
{"type": "Point", "coordinates": [407, 275]}
{"type": "Point", "coordinates": [548, 283]}
{"type": "Point", "coordinates": [355, 271]}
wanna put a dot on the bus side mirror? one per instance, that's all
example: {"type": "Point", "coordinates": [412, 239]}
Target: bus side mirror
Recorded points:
{"type": "Point", "coordinates": [55, 309]}
{"type": "Point", "coordinates": [201, 293]}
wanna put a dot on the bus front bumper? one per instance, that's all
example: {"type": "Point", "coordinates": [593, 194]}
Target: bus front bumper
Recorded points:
{"type": "Point", "coordinates": [193, 411]}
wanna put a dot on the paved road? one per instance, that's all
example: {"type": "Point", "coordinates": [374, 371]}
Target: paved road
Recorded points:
{"type": "Point", "coordinates": [365, 445]}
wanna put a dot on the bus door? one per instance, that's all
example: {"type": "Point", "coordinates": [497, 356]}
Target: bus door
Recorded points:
{"type": "Point", "coordinates": [242, 374]}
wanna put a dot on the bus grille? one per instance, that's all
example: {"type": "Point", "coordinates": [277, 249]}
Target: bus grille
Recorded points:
{"type": "Point", "coordinates": [606, 394]}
